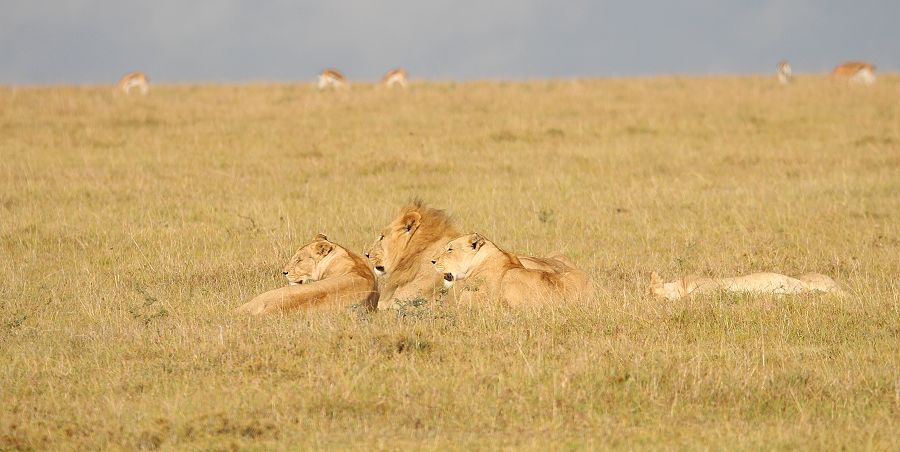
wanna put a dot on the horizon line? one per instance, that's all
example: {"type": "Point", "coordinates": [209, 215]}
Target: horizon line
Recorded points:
{"type": "Point", "coordinates": [312, 80]}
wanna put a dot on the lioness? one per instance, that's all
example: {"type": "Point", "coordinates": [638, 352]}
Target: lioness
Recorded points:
{"type": "Point", "coordinates": [400, 255]}
{"type": "Point", "coordinates": [773, 283]}
{"type": "Point", "coordinates": [501, 275]}
{"type": "Point", "coordinates": [322, 274]}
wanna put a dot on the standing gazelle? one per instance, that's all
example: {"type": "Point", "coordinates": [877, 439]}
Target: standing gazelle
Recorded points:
{"type": "Point", "coordinates": [331, 78]}
{"type": "Point", "coordinates": [855, 72]}
{"type": "Point", "coordinates": [785, 75]}
{"type": "Point", "coordinates": [131, 80]}
{"type": "Point", "coordinates": [393, 77]}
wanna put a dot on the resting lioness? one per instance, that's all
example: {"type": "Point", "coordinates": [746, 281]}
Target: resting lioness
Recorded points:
{"type": "Point", "coordinates": [401, 255]}
{"type": "Point", "coordinates": [494, 274]}
{"type": "Point", "coordinates": [774, 283]}
{"type": "Point", "coordinates": [321, 274]}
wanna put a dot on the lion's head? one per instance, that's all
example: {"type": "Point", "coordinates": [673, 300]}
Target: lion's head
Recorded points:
{"type": "Point", "coordinates": [458, 257]}
{"type": "Point", "coordinates": [305, 266]}
{"type": "Point", "coordinates": [669, 291]}
{"type": "Point", "coordinates": [416, 228]}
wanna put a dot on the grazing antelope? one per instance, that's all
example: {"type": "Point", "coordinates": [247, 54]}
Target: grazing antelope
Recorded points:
{"type": "Point", "coordinates": [855, 72]}
{"type": "Point", "coordinates": [785, 75]}
{"type": "Point", "coordinates": [331, 78]}
{"type": "Point", "coordinates": [393, 77]}
{"type": "Point", "coordinates": [133, 79]}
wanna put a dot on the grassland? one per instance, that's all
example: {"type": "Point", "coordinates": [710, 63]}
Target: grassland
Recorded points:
{"type": "Point", "coordinates": [130, 228]}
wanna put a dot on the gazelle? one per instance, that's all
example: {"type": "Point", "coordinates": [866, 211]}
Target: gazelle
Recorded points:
{"type": "Point", "coordinates": [393, 77]}
{"type": "Point", "coordinates": [855, 72]}
{"type": "Point", "coordinates": [331, 78]}
{"type": "Point", "coordinates": [131, 80]}
{"type": "Point", "coordinates": [785, 75]}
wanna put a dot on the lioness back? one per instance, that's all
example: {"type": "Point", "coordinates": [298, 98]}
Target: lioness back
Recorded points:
{"type": "Point", "coordinates": [819, 283]}
{"type": "Point", "coordinates": [765, 282]}
{"type": "Point", "coordinates": [522, 286]}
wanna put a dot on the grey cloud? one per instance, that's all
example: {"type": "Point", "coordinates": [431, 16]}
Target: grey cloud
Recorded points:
{"type": "Point", "coordinates": [94, 41]}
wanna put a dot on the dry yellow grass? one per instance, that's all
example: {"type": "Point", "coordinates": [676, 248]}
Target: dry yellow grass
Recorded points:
{"type": "Point", "coordinates": [132, 227]}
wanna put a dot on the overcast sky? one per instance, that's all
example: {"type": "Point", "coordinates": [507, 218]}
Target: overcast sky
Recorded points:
{"type": "Point", "coordinates": [95, 41]}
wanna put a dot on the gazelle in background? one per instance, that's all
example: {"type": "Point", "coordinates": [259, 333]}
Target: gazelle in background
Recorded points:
{"type": "Point", "coordinates": [394, 77]}
{"type": "Point", "coordinates": [785, 75]}
{"type": "Point", "coordinates": [855, 72]}
{"type": "Point", "coordinates": [133, 79]}
{"type": "Point", "coordinates": [331, 78]}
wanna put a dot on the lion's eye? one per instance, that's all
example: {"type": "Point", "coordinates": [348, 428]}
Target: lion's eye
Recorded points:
{"type": "Point", "coordinates": [381, 237]}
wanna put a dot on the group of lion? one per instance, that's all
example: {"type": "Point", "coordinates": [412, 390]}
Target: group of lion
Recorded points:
{"type": "Point", "coordinates": [422, 256]}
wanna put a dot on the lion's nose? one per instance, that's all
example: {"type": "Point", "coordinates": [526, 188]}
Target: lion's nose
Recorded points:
{"type": "Point", "coordinates": [284, 273]}
{"type": "Point", "coordinates": [434, 262]}
{"type": "Point", "coordinates": [379, 268]}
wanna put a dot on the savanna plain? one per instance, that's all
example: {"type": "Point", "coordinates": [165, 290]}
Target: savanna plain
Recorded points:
{"type": "Point", "coordinates": [132, 227]}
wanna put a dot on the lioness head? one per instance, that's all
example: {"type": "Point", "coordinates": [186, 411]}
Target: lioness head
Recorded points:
{"type": "Point", "coordinates": [457, 258]}
{"type": "Point", "coordinates": [375, 254]}
{"type": "Point", "coordinates": [303, 267]}
{"type": "Point", "coordinates": [669, 291]}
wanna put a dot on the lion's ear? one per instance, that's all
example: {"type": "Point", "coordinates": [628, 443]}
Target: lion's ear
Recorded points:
{"type": "Point", "coordinates": [320, 236]}
{"type": "Point", "coordinates": [655, 279]}
{"type": "Point", "coordinates": [477, 241]}
{"type": "Point", "coordinates": [323, 248]}
{"type": "Point", "coordinates": [411, 221]}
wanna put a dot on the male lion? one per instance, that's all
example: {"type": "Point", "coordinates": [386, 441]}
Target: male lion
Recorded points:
{"type": "Point", "coordinates": [322, 274]}
{"type": "Point", "coordinates": [475, 259]}
{"type": "Point", "coordinates": [403, 250]}
{"type": "Point", "coordinates": [773, 283]}
{"type": "Point", "coordinates": [400, 255]}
